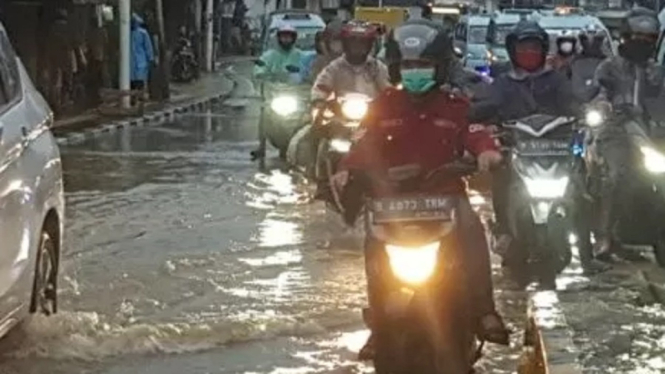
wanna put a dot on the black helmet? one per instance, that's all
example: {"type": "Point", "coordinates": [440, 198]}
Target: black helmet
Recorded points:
{"type": "Point", "coordinates": [527, 30]}
{"type": "Point", "coordinates": [416, 40]}
{"type": "Point", "coordinates": [640, 21]}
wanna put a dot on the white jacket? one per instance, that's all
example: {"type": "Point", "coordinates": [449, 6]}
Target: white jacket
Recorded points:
{"type": "Point", "coordinates": [370, 79]}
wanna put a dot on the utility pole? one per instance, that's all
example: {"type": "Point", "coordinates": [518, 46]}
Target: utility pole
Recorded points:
{"type": "Point", "coordinates": [163, 51]}
{"type": "Point", "coordinates": [198, 15]}
{"type": "Point", "coordinates": [123, 79]}
{"type": "Point", "coordinates": [209, 35]}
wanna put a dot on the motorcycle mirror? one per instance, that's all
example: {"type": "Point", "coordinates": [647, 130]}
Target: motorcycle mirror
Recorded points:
{"type": "Point", "coordinates": [292, 69]}
{"type": "Point", "coordinates": [260, 63]}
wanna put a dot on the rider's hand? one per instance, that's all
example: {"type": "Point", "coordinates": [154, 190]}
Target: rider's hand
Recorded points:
{"type": "Point", "coordinates": [488, 159]}
{"type": "Point", "coordinates": [340, 179]}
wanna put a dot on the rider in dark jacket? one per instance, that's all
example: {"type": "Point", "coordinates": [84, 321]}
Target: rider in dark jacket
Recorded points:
{"type": "Point", "coordinates": [617, 77]}
{"type": "Point", "coordinates": [530, 87]}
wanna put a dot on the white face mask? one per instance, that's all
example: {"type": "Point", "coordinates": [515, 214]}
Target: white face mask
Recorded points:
{"type": "Point", "coordinates": [566, 47]}
{"type": "Point", "coordinates": [336, 47]}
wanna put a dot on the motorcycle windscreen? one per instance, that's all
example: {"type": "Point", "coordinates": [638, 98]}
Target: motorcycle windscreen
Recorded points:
{"type": "Point", "coordinates": [582, 78]}
{"type": "Point", "coordinates": [541, 124]}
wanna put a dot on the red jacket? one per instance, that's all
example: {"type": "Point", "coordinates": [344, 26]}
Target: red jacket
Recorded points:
{"type": "Point", "coordinates": [400, 131]}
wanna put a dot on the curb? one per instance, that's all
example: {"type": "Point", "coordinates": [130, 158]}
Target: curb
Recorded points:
{"type": "Point", "coordinates": [152, 118]}
{"type": "Point", "coordinates": [548, 339]}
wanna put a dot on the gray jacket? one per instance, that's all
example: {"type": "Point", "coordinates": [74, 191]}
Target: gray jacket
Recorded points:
{"type": "Point", "coordinates": [616, 79]}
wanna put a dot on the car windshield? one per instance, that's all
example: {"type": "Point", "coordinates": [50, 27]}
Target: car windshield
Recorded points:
{"type": "Point", "coordinates": [305, 41]}
{"type": "Point", "coordinates": [477, 34]}
{"type": "Point", "coordinates": [501, 32]}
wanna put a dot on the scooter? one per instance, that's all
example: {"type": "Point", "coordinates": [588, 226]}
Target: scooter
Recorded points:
{"type": "Point", "coordinates": [643, 208]}
{"type": "Point", "coordinates": [423, 323]}
{"type": "Point", "coordinates": [543, 196]}
{"type": "Point", "coordinates": [285, 103]}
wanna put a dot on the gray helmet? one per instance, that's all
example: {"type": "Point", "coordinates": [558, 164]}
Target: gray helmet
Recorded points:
{"type": "Point", "coordinates": [640, 21]}
{"type": "Point", "coordinates": [416, 40]}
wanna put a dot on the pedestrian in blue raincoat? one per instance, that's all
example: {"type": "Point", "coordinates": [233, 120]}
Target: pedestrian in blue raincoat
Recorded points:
{"type": "Point", "coordinates": [142, 54]}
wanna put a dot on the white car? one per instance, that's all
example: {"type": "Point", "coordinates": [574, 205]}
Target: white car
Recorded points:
{"type": "Point", "coordinates": [31, 196]}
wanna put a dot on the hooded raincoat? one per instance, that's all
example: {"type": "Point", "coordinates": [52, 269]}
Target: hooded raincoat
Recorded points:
{"type": "Point", "coordinates": [142, 54]}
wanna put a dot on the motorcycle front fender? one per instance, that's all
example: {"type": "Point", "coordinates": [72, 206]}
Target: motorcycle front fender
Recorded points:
{"type": "Point", "coordinates": [540, 211]}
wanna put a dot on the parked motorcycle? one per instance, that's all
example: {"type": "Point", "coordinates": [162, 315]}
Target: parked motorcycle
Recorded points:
{"type": "Point", "coordinates": [423, 324]}
{"type": "Point", "coordinates": [642, 207]}
{"type": "Point", "coordinates": [184, 66]}
{"type": "Point", "coordinates": [543, 196]}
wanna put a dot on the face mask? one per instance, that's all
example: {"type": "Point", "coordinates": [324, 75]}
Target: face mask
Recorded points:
{"type": "Point", "coordinates": [529, 60]}
{"type": "Point", "coordinates": [566, 48]}
{"type": "Point", "coordinates": [336, 48]}
{"type": "Point", "coordinates": [637, 51]}
{"type": "Point", "coordinates": [418, 80]}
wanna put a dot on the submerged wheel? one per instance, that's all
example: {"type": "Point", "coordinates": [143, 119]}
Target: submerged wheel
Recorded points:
{"type": "Point", "coordinates": [44, 290]}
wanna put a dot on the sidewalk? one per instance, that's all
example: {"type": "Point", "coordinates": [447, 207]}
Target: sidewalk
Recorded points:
{"type": "Point", "coordinates": [217, 83]}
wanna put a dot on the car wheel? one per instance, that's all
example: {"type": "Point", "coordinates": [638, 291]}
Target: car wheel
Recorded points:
{"type": "Point", "coordinates": [44, 289]}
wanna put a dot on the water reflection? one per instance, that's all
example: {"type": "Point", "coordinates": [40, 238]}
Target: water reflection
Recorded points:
{"type": "Point", "coordinates": [277, 233]}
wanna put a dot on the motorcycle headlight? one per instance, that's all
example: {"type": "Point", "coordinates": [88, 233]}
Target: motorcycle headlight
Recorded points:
{"type": "Point", "coordinates": [354, 110]}
{"type": "Point", "coordinates": [546, 188]}
{"type": "Point", "coordinates": [413, 265]}
{"type": "Point", "coordinates": [594, 118]}
{"type": "Point", "coordinates": [284, 105]}
{"type": "Point", "coordinates": [340, 145]}
{"type": "Point", "coordinates": [654, 161]}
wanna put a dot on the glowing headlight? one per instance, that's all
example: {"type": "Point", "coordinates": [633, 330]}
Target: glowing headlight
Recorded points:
{"type": "Point", "coordinates": [594, 118]}
{"type": "Point", "coordinates": [284, 105]}
{"type": "Point", "coordinates": [354, 110]}
{"type": "Point", "coordinates": [654, 161]}
{"type": "Point", "coordinates": [413, 265]}
{"type": "Point", "coordinates": [546, 188]}
{"type": "Point", "coordinates": [340, 145]}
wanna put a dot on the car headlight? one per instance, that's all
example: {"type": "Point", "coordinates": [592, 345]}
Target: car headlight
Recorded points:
{"type": "Point", "coordinates": [340, 145]}
{"type": "Point", "coordinates": [413, 265]}
{"type": "Point", "coordinates": [546, 188]}
{"type": "Point", "coordinates": [284, 105]}
{"type": "Point", "coordinates": [354, 110]}
{"type": "Point", "coordinates": [594, 118]}
{"type": "Point", "coordinates": [654, 161]}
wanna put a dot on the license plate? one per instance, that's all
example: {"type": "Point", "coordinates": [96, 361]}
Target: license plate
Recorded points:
{"type": "Point", "coordinates": [434, 208]}
{"type": "Point", "coordinates": [544, 146]}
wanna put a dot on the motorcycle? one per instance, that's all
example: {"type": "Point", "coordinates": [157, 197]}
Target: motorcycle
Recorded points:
{"type": "Point", "coordinates": [336, 126]}
{"type": "Point", "coordinates": [423, 323]}
{"type": "Point", "coordinates": [643, 206]}
{"type": "Point", "coordinates": [543, 196]}
{"type": "Point", "coordinates": [184, 67]}
{"type": "Point", "coordinates": [316, 150]}
{"type": "Point", "coordinates": [285, 103]}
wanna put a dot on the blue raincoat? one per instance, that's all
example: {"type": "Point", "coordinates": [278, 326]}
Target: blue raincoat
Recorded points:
{"type": "Point", "coordinates": [141, 50]}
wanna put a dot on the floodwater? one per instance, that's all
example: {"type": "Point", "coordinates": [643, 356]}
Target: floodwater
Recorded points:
{"type": "Point", "coordinates": [182, 258]}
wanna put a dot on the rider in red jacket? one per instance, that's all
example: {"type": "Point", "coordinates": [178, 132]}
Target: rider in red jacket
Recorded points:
{"type": "Point", "coordinates": [421, 127]}
{"type": "Point", "coordinates": [432, 131]}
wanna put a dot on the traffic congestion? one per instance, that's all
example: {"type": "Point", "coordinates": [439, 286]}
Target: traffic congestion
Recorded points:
{"type": "Point", "coordinates": [433, 188]}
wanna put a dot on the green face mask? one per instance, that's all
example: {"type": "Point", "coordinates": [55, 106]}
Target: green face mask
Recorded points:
{"type": "Point", "coordinates": [418, 80]}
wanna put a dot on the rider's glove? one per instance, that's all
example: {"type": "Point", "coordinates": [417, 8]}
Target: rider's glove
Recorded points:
{"type": "Point", "coordinates": [488, 159]}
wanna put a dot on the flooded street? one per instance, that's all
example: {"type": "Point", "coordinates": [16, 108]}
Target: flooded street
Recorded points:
{"type": "Point", "coordinates": [181, 257]}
